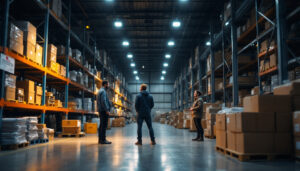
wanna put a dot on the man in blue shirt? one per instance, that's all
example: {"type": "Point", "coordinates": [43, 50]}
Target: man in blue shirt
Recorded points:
{"type": "Point", "coordinates": [104, 107]}
{"type": "Point", "coordinates": [143, 105]}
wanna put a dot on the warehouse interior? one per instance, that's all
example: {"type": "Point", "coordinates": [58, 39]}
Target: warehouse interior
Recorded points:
{"type": "Point", "coordinates": [237, 59]}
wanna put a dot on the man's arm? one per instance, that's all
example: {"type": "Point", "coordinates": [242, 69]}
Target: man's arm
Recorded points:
{"type": "Point", "coordinates": [136, 105]}
{"type": "Point", "coordinates": [151, 102]}
{"type": "Point", "coordinates": [104, 102]}
{"type": "Point", "coordinates": [197, 106]}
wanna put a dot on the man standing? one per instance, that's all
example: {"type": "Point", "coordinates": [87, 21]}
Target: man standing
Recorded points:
{"type": "Point", "coordinates": [143, 105]}
{"type": "Point", "coordinates": [197, 111]}
{"type": "Point", "coordinates": [104, 107]}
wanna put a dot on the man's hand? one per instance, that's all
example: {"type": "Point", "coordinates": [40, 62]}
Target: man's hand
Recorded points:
{"type": "Point", "coordinates": [107, 113]}
{"type": "Point", "coordinates": [191, 109]}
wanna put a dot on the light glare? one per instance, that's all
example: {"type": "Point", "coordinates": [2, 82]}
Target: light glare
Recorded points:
{"type": "Point", "coordinates": [166, 64]}
{"type": "Point", "coordinates": [171, 43]}
{"type": "Point", "coordinates": [125, 43]}
{"type": "Point", "coordinates": [176, 24]}
{"type": "Point", "coordinates": [168, 56]}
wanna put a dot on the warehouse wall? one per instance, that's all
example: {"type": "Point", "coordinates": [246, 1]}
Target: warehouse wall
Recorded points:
{"type": "Point", "coordinates": [160, 90]}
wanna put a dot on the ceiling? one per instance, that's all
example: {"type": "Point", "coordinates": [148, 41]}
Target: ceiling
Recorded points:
{"type": "Point", "coordinates": [147, 25]}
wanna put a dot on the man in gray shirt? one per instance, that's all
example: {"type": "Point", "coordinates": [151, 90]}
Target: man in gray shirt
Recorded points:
{"type": "Point", "coordinates": [104, 107]}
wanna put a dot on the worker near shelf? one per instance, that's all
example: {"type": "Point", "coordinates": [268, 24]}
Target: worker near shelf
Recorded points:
{"type": "Point", "coordinates": [104, 107]}
{"type": "Point", "coordinates": [143, 105]}
{"type": "Point", "coordinates": [197, 111]}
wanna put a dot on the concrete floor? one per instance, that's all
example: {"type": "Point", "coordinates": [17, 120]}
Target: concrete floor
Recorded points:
{"type": "Point", "coordinates": [174, 151]}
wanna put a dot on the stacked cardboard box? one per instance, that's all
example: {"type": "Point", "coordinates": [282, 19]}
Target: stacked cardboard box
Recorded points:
{"type": "Point", "coordinates": [180, 120]}
{"type": "Point", "coordinates": [29, 38]}
{"type": "Point", "coordinates": [50, 134]}
{"type": "Point", "coordinates": [42, 131]}
{"type": "Point", "coordinates": [218, 60]}
{"type": "Point", "coordinates": [29, 90]}
{"type": "Point", "coordinates": [51, 57]}
{"type": "Point", "coordinates": [217, 82]}
{"type": "Point", "coordinates": [16, 39]}
{"type": "Point", "coordinates": [90, 128]}
{"type": "Point", "coordinates": [20, 95]}
{"type": "Point", "coordinates": [221, 136]}
{"type": "Point", "coordinates": [62, 70]}
{"type": "Point", "coordinates": [10, 87]}
{"type": "Point", "coordinates": [210, 120]}
{"type": "Point", "coordinates": [58, 103]}
{"type": "Point", "coordinates": [118, 122]}
{"type": "Point", "coordinates": [264, 45]}
{"type": "Point", "coordinates": [71, 126]}
{"type": "Point", "coordinates": [50, 99]}
{"type": "Point", "coordinates": [38, 95]}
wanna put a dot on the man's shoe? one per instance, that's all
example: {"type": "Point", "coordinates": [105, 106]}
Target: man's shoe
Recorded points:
{"type": "Point", "coordinates": [195, 139]}
{"type": "Point", "coordinates": [139, 143]}
{"type": "Point", "coordinates": [153, 142]}
{"type": "Point", "coordinates": [105, 142]}
{"type": "Point", "coordinates": [200, 138]}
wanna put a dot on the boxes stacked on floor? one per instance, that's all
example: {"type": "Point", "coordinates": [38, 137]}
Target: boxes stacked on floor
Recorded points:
{"type": "Point", "coordinates": [10, 87]}
{"type": "Point", "coordinates": [50, 134]}
{"type": "Point", "coordinates": [180, 120]}
{"type": "Point", "coordinates": [293, 90]}
{"type": "Point", "coordinates": [16, 39]}
{"type": "Point", "coordinates": [187, 119]}
{"type": "Point", "coordinates": [118, 122]}
{"type": "Point", "coordinates": [29, 39]}
{"type": "Point", "coordinates": [210, 120]}
{"type": "Point", "coordinates": [91, 128]}
{"type": "Point", "coordinates": [42, 131]}
{"type": "Point", "coordinates": [29, 90]}
{"type": "Point", "coordinates": [13, 131]}
{"type": "Point", "coordinates": [71, 126]}
{"type": "Point", "coordinates": [38, 95]}
{"type": "Point", "coordinates": [32, 130]}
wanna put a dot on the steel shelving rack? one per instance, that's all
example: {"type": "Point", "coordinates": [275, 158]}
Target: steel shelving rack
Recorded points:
{"type": "Point", "coordinates": [46, 76]}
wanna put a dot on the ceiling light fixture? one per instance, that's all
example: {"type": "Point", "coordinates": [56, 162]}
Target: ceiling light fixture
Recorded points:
{"type": "Point", "coordinates": [132, 64]}
{"type": "Point", "coordinates": [168, 56]}
{"type": "Point", "coordinates": [137, 77]}
{"type": "Point", "coordinates": [208, 43]}
{"type": "Point", "coordinates": [125, 43]}
{"type": "Point", "coordinates": [87, 27]}
{"type": "Point", "coordinates": [164, 72]}
{"type": "Point", "coordinates": [171, 43]}
{"type": "Point", "coordinates": [162, 78]}
{"type": "Point", "coordinates": [165, 64]}
{"type": "Point", "coordinates": [176, 24]}
{"type": "Point", "coordinates": [227, 23]}
{"type": "Point", "coordinates": [129, 56]}
{"type": "Point", "coordinates": [135, 72]}
{"type": "Point", "coordinates": [118, 24]}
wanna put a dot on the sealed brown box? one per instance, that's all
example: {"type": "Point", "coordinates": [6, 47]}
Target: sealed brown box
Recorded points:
{"type": "Point", "coordinates": [20, 94]}
{"type": "Point", "coordinates": [71, 130]}
{"type": "Point", "coordinates": [38, 99]}
{"type": "Point", "coordinates": [29, 31]}
{"type": "Point", "coordinates": [29, 97]}
{"type": "Point", "coordinates": [16, 39]}
{"type": "Point", "coordinates": [292, 88]}
{"type": "Point", "coordinates": [29, 51]}
{"type": "Point", "coordinates": [273, 60]}
{"type": "Point", "coordinates": [231, 141]}
{"type": "Point", "coordinates": [283, 122]}
{"type": "Point", "coordinates": [62, 70]}
{"type": "Point", "coordinates": [221, 122]}
{"type": "Point", "coordinates": [192, 124]}
{"type": "Point", "coordinates": [246, 122]}
{"type": "Point", "coordinates": [255, 142]}
{"type": "Point", "coordinates": [27, 85]}
{"type": "Point", "coordinates": [41, 126]}
{"type": "Point", "coordinates": [39, 90]}
{"type": "Point", "coordinates": [255, 91]}
{"type": "Point", "coordinates": [283, 143]}
{"type": "Point", "coordinates": [231, 122]}
{"type": "Point", "coordinates": [39, 54]}
{"type": "Point", "coordinates": [265, 122]}
{"type": "Point", "coordinates": [221, 139]}
{"type": "Point", "coordinates": [10, 94]}
{"type": "Point", "coordinates": [296, 122]}
{"type": "Point", "coordinates": [203, 123]}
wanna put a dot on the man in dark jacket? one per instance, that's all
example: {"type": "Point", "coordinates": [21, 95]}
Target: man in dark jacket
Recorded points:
{"type": "Point", "coordinates": [104, 107]}
{"type": "Point", "coordinates": [143, 105]}
{"type": "Point", "coordinates": [197, 112]}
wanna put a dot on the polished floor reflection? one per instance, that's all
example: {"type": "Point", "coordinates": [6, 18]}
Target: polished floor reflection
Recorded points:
{"type": "Point", "coordinates": [174, 151]}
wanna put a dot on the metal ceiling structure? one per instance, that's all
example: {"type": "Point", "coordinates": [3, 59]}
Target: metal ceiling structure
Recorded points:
{"type": "Point", "coordinates": [147, 26]}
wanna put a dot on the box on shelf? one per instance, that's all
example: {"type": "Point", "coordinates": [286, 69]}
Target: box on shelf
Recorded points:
{"type": "Point", "coordinates": [39, 90]}
{"type": "Point", "coordinates": [38, 99]}
{"type": "Point", "coordinates": [29, 31]}
{"type": "Point", "coordinates": [20, 95]}
{"type": "Point", "coordinates": [16, 39]}
{"type": "Point", "coordinates": [292, 88]}
{"type": "Point", "coordinates": [56, 6]}
{"type": "Point", "coordinates": [76, 54]}
{"type": "Point", "coordinates": [71, 123]}
{"type": "Point", "coordinates": [29, 51]}
{"type": "Point", "coordinates": [39, 54]}
{"type": "Point", "coordinates": [91, 128]}
{"type": "Point", "coordinates": [29, 90]}
{"type": "Point", "coordinates": [52, 53]}
{"type": "Point", "coordinates": [58, 103]}
{"type": "Point", "coordinates": [62, 70]}
{"type": "Point", "coordinates": [264, 45]}
{"type": "Point", "coordinates": [41, 126]}
{"type": "Point", "coordinates": [10, 87]}
{"type": "Point", "coordinates": [273, 60]}
{"type": "Point", "coordinates": [61, 51]}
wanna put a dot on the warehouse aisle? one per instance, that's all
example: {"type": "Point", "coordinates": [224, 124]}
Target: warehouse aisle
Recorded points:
{"type": "Point", "coordinates": [174, 151]}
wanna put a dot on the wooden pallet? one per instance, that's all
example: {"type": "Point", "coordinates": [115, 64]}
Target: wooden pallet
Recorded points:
{"type": "Point", "coordinates": [81, 134]}
{"type": "Point", "coordinates": [210, 137]}
{"type": "Point", "coordinates": [39, 141]}
{"type": "Point", "coordinates": [252, 156]}
{"type": "Point", "coordinates": [14, 146]}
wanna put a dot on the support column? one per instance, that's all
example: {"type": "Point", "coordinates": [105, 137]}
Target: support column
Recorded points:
{"type": "Point", "coordinates": [235, 86]}
{"type": "Point", "coordinates": [224, 74]}
{"type": "Point", "coordinates": [212, 62]}
{"type": "Point", "coordinates": [45, 49]}
{"type": "Point", "coordinates": [281, 41]}
{"type": "Point", "coordinates": [258, 47]}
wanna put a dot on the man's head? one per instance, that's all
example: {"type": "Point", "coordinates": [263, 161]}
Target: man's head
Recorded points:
{"type": "Point", "coordinates": [143, 87]}
{"type": "Point", "coordinates": [197, 93]}
{"type": "Point", "coordinates": [105, 84]}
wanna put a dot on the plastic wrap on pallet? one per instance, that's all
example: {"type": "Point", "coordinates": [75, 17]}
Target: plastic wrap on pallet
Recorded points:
{"type": "Point", "coordinates": [73, 75]}
{"type": "Point", "coordinates": [13, 131]}
{"type": "Point", "coordinates": [231, 110]}
{"type": "Point", "coordinates": [32, 129]}
{"type": "Point", "coordinates": [79, 78]}
{"type": "Point", "coordinates": [42, 133]}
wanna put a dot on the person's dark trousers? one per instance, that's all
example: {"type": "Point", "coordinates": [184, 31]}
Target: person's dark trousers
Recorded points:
{"type": "Point", "coordinates": [198, 124]}
{"type": "Point", "coordinates": [140, 120]}
{"type": "Point", "coordinates": [103, 126]}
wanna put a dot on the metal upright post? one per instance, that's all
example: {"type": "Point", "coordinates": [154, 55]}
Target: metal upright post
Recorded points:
{"type": "Point", "coordinates": [281, 41]}
{"type": "Point", "coordinates": [235, 86]}
{"type": "Point", "coordinates": [200, 73]}
{"type": "Point", "coordinates": [212, 61]}
{"type": "Point", "coordinates": [4, 45]}
{"type": "Point", "coordinates": [94, 65]}
{"type": "Point", "coordinates": [68, 44]}
{"type": "Point", "coordinates": [45, 49]}
{"type": "Point", "coordinates": [192, 84]}
{"type": "Point", "coordinates": [257, 47]}
{"type": "Point", "coordinates": [224, 74]}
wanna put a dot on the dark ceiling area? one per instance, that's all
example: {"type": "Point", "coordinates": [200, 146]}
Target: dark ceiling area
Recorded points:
{"type": "Point", "coordinates": [147, 25]}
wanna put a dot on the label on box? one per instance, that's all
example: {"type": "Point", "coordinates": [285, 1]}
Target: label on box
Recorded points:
{"type": "Point", "coordinates": [298, 145]}
{"type": "Point", "coordinates": [297, 128]}
{"type": "Point", "coordinates": [7, 63]}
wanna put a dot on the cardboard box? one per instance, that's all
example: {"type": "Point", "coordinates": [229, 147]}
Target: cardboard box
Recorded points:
{"type": "Point", "coordinates": [16, 34]}
{"type": "Point", "coordinates": [221, 139]}
{"type": "Point", "coordinates": [231, 141]}
{"type": "Point", "coordinates": [296, 122]}
{"type": "Point", "coordinates": [91, 128]}
{"type": "Point", "coordinates": [29, 51]}
{"type": "Point", "coordinates": [267, 103]}
{"type": "Point", "coordinates": [41, 126]}
{"type": "Point", "coordinates": [29, 31]}
{"type": "Point", "coordinates": [27, 85]}
{"type": "Point", "coordinates": [255, 143]}
{"type": "Point", "coordinates": [39, 90]}
{"type": "Point", "coordinates": [20, 94]}
{"type": "Point", "coordinates": [292, 88]}
{"type": "Point", "coordinates": [231, 122]}
{"type": "Point", "coordinates": [62, 70]}
{"type": "Point", "coordinates": [10, 80]}
{"type": "Point", "coordinates": [10, 94]}
{"type": "Point", "coordinates": [203, 123]}
{"type": "Point", "coordinates": [71, 123]}
{"type": "Point", "coordinates": [265, 122]}
{"type": "Point", "coordinates": [255, 91]}
{"type": "Point", "coordinates": [71, 130]}
{"type": "Point", "coordinates": [221, 122]}
{"type": "Point", "coordinates": [39, 54]}
{"type": "Point", "coordinates": [245, 122]}
{"type": "Point", "coordinates": [52, 53]}
{"type": "Point", "coordinates": [38, 99]}
{"type": "Point", "coordinates": [283, 122]}
{"type": "Point", "coordinates": [16, 46]}
{"type": "Point", "coordinates": [283, 143]}
{"type": "Point", "coordinates": [273, 60]}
